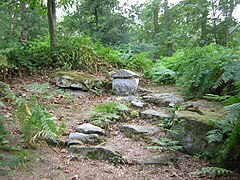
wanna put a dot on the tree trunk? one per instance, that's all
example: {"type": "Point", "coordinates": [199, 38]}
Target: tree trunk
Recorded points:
{"type": "Point", "coordinates": [51, 6]}
{"type": "Point", "coordinates": [24, 27]}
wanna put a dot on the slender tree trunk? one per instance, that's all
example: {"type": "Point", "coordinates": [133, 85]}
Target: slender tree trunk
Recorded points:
{"type": "Point", "coordinates": [51, 6]}
{"type": "Point", "coordinates": [24, 27]}
{"type": "Point", "coordinates": [155, 20]}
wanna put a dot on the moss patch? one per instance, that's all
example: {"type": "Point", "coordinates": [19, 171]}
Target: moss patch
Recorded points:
{"type": "Point", "coordinates": [208, 116]}
{"type": "Point", "coordinates": [77, 76]}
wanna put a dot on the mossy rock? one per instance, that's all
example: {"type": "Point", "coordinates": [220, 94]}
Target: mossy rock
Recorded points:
{"type": "Point", "coordinates": [78, 80]}
{"type": "Point", "coordinates": [190, 128]}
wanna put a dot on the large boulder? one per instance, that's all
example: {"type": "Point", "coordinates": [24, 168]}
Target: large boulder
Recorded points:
{"type": "Point", "coordinates": [164, 99]}
{"type": "Point", "coordinates": [78, 80]}
{"type": "Point", "coordinates": [190, 128]}
{"type": "Point", "coordinates": [124, 82]}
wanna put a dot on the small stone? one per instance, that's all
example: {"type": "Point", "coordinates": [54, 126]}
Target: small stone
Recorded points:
{"type": "Point", "coordinates": [137, 129]}
{"type": "Point", "coordinates": [137, 103]}
{"type": "Point", "coordinates": [87, 128]}
{"type": "Point", "coordinates": [85, 138]}
{"type": "Point", "coordinates": [150, 113]}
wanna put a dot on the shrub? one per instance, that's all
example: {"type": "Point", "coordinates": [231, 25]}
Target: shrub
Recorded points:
{"type": "Point", "coordinates": [71, 53]}
{"type": "Point", "coordinates": [139, 62]}
{"type": "Point", "coordinates": [164, 70]}
{"type": "Point", "coordinates": [6, 68]}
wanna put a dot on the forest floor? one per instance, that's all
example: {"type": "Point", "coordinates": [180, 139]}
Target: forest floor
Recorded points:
{"type": "Point", "coordinates": [56, 162]}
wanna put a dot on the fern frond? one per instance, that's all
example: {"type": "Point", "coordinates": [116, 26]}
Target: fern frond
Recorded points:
{"type": "Point", "coordinates": [165, 143]}
{"type": "Point", "coordinates": [231, 72]}
{"type": "Point", "coordinates": [14, 161]}
{"type": "Point", "coordinates": [212, 171]}
{"type": "Point", "coordinates": [215, 135]}
{"type": "Point", "coordinates": [233, 107]}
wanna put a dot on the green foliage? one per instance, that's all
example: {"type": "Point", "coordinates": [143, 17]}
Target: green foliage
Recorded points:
{"type": "Point", "coordinates": [213, 97]}
{"type": "Point", "coordinates": [164, 70]}
{"type": "Point", "coordinates": [71, 53]}
{"type": "Point", "coordinates": [13, 161]}
{"type": "Point", "coordinates": [227, 134]}
{"type": "Point", "coordinates": [200, 71]}
{"type": "Point", "coordinates": [160, 74]}
{"type": "Point", "coordinates": [5, 67]}
{"type": "Point", "coordinates": [231, 72]}
{"type": "Point", "coordinates": [167, 144]}
{"type": "Point", "coordinates": [6, 94]}
{"type": "Point", "coordinates": [139, 62]}
{"type": "Point", "coordinates": [212, 171]}
{"type": "Point", "coordinates": [35, 122]}
{"type": "Point", "coordinates": [108, 112]}
{"type": "Point", "coordinates": [110, 107]}
{"type": "Point", "coordinates": [3, 132]}
{"type": "Point", "coordinates": [44, 91]}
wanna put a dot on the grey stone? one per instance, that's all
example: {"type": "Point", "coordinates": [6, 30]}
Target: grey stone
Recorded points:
{"type": "Point", "coordinates": [90, 129]}
{"type": "Point", "coordinates": [126, 98]}
{"type": "Point", "coordinates": [125, 86]}
{"type": "Point", "coordinates": [85, 138]}
{"type": "Point", "coordinates": [137, 129]}
{"type": "Point", "coordinates": [164, 99]}
{"type": "Point", "coordinates": [137, 103]}
{"type": "Point", "coordinates": [123, 73]}
{"type": "Point", "coordinates": [98, 153]}
{"type": "Point", "coordinates": [150, 113]}
{"type": "Point", "coordinates": [190, 128]}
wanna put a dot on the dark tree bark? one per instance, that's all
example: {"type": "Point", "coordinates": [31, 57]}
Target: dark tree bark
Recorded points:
{"type": "Point", "coordinates": [51, 6]}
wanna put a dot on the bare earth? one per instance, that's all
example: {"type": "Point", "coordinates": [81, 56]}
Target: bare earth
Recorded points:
{"type": "Point", "coordinates": [49, 162]}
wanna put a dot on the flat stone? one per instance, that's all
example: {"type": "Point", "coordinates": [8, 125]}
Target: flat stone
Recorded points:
{"type": "Point", "coordinates": [98, 153]}
{"type": "Point", "coordinates": [85, 138]}
{"type": "Point", "coordinates": [150, 113]}
{"type": "Point", "coordinates": [137, 129]}
{"type": "Point", "coordinates": [137, 103]}
{"type": "Point", "coordinates": [164, 99]}
{"type": "Point", "coordinates": [87, 128]}
{"type": "Point", "coordinates": [123, 73]}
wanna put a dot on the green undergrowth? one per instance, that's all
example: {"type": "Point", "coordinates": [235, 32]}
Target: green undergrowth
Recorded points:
{"type": "Point", "coordinates": [35, 121]}
{"type": "Point", "coordinates": [106, 113]}
{"type": "Point", "coordinates": [72, 53]}
{"type": "Point", "coordinates": [198, 71]}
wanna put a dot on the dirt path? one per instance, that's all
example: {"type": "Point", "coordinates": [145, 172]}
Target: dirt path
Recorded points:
{"type": "Point", "coordinates": [58, 163]}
